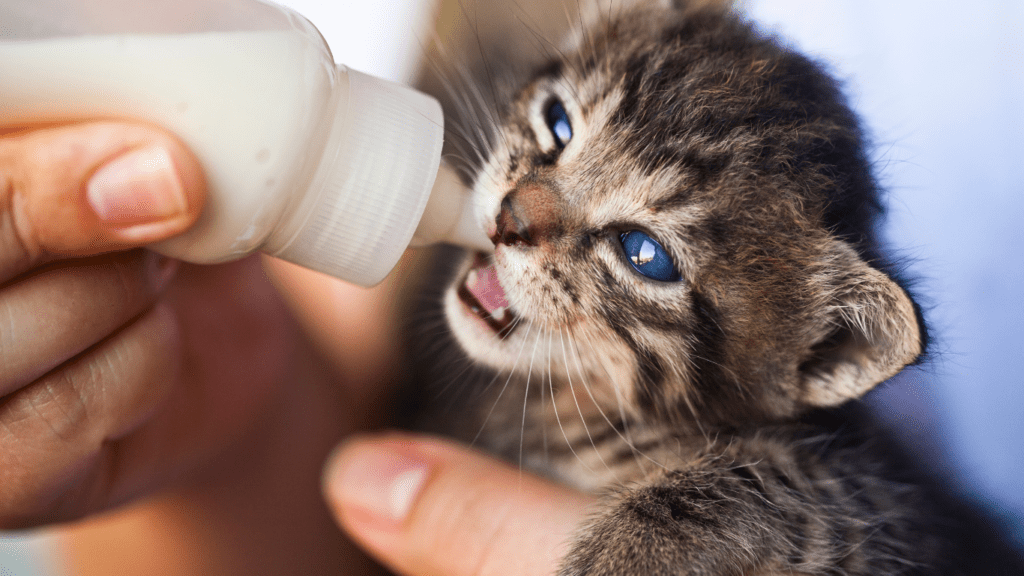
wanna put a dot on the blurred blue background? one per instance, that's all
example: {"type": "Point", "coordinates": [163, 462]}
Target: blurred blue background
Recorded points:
{"type": "Point", "coordinates": [940, 85]}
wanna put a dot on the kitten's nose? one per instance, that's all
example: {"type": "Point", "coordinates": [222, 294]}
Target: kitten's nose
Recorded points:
{"type": "Point", "coordinates": [527, 217]}
{"type": "Point", "coordinates": [512, 229]}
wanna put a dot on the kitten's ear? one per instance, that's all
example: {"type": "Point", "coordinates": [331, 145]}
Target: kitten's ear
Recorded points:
{"type": "Point", "coordinates": [872, 332]}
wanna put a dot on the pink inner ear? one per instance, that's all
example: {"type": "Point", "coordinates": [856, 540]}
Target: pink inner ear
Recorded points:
{"type": "Point", "coordinates": [486, 288]}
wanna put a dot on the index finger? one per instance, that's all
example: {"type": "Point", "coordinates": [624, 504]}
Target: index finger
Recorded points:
{"type": "Point", "coordinates": [85, 189]}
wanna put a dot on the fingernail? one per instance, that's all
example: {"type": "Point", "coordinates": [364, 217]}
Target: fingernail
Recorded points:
{"type": "Point", "coordinates": [378, 481]}
{"type": "Point", "coordinates": [160, 270]}
{"type": "Point", "coordinates": [139, 187]}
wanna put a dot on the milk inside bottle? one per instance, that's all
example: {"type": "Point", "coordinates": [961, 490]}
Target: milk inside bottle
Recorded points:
{"type": "Point", "coordinates": [305, 159]}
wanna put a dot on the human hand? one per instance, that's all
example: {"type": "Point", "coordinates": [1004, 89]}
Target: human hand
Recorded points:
{"type": "Point", "coordinates": [427, 507]}
{"type": "Point", "coordinates": [114, 379]}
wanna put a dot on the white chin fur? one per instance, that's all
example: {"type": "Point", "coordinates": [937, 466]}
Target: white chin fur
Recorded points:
{"type": "Point", "coordinates": [593, 362]}
{"type": "Point", "coordinates": [477, 338]}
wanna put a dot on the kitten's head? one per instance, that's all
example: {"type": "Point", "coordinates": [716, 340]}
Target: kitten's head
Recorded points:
{"type": "Point", "coordinates": [682, 212]}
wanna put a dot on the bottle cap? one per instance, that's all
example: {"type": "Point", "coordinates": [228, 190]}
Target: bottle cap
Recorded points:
{"type": "Point", "coordinates": [371, 188]}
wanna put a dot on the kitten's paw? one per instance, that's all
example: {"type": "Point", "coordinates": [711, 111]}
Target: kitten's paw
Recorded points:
{"type": "Point", "coordinates": [676, 528]}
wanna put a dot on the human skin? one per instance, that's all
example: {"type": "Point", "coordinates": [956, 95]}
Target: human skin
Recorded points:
{"type": "Point", "coordinates": [174, 419]}
{"type": "Point", "coordinates": [164, 391]}
{"type": "Point", "coordinates": [253, 507]}
{"type": "Point", "coordinates": [426, 506]}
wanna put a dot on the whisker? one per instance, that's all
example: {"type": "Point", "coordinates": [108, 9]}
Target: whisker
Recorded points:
{"type": "Point", "coordinates": [487, 71]}
{"type": "Point", "coordinates": [526, 397]}
{"type": "Point", "coordinates": [583, 420]}
{"type": "Point", "coordinates": [615, 388]}
{"type": "Point", "coordinates": [600, 361]}
{"type": "Point", "coordinates": [484, 390]}
{"type": "Point", "coordinates": [551, 50]}
{"type": "Point", "coordinates": [621, 406]}
{"type": "Point", "coordinates": [558, 418]}
{"type": "Point", "coordinates": [503, 388]}
{"type": "Point", "coordinates": [448, 71]}
{"type": "Point", "coordinates": [543, 419]}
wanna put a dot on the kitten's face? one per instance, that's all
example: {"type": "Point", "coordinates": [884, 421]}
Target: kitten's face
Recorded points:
{"type": "Point", "coordinates": [660, 202]}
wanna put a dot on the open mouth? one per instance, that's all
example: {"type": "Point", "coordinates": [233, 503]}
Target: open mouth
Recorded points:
{"type": "Point", "coordinates": [483, 295]}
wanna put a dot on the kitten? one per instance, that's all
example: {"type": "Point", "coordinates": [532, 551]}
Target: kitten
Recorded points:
{"type": "Point", "coordinates": [685, 296]}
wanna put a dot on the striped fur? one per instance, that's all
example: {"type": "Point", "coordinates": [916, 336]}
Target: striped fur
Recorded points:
{"type": "Point", "coordinates": [704, 410]}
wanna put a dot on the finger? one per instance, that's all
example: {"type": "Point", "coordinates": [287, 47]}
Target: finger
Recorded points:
{"type": "Point", "coordinates": [60, 457]}
{"type": "Point", "coordinates": [55, 314]}
{"type": "Point", "coordinates": [427, 507]}
{"type": "Point", "coordinates": [85, 189]}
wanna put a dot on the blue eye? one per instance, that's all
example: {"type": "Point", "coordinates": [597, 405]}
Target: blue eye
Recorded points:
{"type": "Point", "coordinates": [558, 123]}
{"type": "Point", "coordinates": [648, 257]}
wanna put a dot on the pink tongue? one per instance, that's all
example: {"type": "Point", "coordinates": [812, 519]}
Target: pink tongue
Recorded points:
{"type": "Point", "coordinates": [486, 289]}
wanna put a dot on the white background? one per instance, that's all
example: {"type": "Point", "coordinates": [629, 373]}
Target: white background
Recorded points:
{"type": "Point", "coordinates": [941, 87]}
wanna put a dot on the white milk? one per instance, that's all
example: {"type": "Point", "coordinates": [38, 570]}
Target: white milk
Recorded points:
{"type": "Point", "coordinates": [248, 104]}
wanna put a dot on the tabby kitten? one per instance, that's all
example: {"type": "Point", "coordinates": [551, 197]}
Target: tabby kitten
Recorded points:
{"type": "Point", "coordinates": [685, 285]}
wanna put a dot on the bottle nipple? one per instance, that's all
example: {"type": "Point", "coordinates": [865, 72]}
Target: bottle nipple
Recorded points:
{"type": "Point", "coordinates": [450, 216]}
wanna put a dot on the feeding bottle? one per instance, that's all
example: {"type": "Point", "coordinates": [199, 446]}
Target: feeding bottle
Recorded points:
{"type": "Point", "coordinates": [305, 160]}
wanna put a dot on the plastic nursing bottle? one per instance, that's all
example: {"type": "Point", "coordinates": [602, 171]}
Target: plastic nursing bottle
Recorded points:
{"type": "Point", "coordinates": [305, 160]}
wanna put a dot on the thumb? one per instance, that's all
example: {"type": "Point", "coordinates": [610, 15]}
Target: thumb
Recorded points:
{"type": "Point", "coordinates": [84, 189]}
{"type": "Point", "coordinates": [428, 507]}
